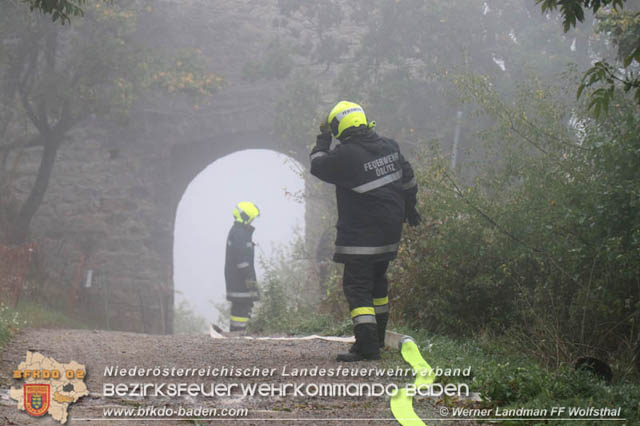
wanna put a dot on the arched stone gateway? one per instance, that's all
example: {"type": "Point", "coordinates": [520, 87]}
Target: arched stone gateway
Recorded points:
{"type": "Point", "coordinates": [269, 179]}
{"type": "Point", "coordinates": [105, 229]}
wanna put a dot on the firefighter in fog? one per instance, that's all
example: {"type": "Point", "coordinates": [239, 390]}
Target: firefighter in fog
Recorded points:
{"type": "Point", "coordinates": [376, 192]}
{"type": "Point", "coordinates": [239, 271]}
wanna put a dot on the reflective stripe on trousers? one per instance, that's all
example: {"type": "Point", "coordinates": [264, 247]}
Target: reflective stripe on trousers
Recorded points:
{"type": "Point", "coordinates": [390, 248]}
{"type": "Point", "coordinates": [240, 322]}
{"type": "Point", "coordinates": [240, 295]}
{"type": "Point", "coordinates": [364, 315]}
{"type": "Point", "coordinates": [381, 305]}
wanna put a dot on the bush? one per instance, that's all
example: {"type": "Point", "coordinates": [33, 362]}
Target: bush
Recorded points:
{"type": "Point", "coordinates": [288, 302]}
{"type": "Point", "coordinates": [506, 378]}
{"type": "Point", "coordinates": [9, 321]}
{"type": "Point", "coordinates": [187, 321]}
{"type": "Point", "coordinates": [545, 241]}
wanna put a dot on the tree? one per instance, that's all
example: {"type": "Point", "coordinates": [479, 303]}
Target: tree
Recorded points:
{"type": "Point", "coordinates": [59, 9]}
{"type": "Point", "coordinates": [56, 78]}
{"type": "Point", "coordinates": [624, 30]}
{"type": "Point", "coordinates": [398, 58]}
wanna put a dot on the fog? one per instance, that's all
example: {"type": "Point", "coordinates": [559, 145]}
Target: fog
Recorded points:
{"type": "Point", "coordinates": [133, 98]}
{"type": "Point", "coordinates": [204, 217]}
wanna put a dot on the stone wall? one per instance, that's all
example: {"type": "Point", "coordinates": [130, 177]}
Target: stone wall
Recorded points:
{"type": "Point", "coordinates": [111, 203]}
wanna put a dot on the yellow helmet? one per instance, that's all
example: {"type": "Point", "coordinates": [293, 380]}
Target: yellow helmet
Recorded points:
{"type": "Point", "coordinates": [345, 115]}
{"type": "Point", "coordinates": [245, 212]}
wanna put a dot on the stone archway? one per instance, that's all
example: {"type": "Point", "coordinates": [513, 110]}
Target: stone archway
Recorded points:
{"type": "Point", "coordinates": [109, 212]}
{"type": "Point", "coordinates": [268, 178]}
{"type": "Point", "coordinates": [110, 209]}
{"type": "Point", "coordinates": [189, 163]}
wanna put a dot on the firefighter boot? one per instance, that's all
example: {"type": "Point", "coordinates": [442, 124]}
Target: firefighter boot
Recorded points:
{"type": "Point", "coordinates": [366, 344]}
{"type": "Point", "coordinates": [381, 320]}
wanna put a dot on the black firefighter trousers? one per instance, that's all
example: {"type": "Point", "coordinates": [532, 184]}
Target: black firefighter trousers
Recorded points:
{"type": "Point", "coordinates": [366, 289]}
{"type": "Point", "coordinates": [240, 313]}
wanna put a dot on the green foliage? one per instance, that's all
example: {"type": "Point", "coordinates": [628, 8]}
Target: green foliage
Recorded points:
{"type": "Point", "coordinates": [58, 9]}
{"type": "Point", "coordinates": [55, 78]}
{"type": "Point", "coordinates": [601, 97]}
{"type": "Point", "coordinates": [573, 10]}
{"type": "Point", "coordinates": [542, 243]}
{"type": "Point", "coordinates": [10, 321]}
{"type": "Point", "coordinates": [186, 321]}
{"type": "Point", "coordinates": [42, 314]}
{"type": "Point", "coordinates": [545, 240]}
{"type": "Point", "coordinates": [506, 378]}
{"type": "Point", "coordinates": [623, 28]}
{"type": "Point", "coordinates": [287, 303]}
{"type": "Point", "coordinates": [31, 314]}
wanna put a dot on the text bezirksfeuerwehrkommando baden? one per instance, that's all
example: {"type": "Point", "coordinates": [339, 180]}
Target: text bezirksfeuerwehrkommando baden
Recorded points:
{"type": "Point", "coordinates": [143, 390]}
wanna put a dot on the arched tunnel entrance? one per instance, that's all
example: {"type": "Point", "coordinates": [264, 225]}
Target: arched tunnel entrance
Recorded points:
{"type": "Point", "coordinates": [113, 248]}
{"type": "Point", "coordinates": [273, 182]}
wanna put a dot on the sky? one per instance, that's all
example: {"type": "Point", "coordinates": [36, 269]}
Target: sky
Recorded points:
{"type": "Point", "coordinates": [204, 218]}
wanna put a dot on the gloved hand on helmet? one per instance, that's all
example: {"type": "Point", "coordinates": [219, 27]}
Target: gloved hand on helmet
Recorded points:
{"type": "Point", "coordinates": [413, 217]}
{"type": "Point", "coordinates": [325, 128]}
{"type": "Point", "coordinates": [323, 140]}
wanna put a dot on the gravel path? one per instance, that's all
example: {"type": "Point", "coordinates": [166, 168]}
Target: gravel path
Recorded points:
{"type": "Point", "coordinates": [99, 350]}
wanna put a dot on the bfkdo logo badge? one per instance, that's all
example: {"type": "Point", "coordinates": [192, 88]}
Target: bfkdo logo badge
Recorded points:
{"type": "Point", "coordinates": [37, 399]}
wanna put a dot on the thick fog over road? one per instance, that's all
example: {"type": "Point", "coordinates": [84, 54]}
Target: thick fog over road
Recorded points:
{"type": "Point", "coordinates": [204, 218]}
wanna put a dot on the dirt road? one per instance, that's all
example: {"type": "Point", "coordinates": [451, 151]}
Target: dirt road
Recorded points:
{"type": "Point", "coordinates": [275, 360]}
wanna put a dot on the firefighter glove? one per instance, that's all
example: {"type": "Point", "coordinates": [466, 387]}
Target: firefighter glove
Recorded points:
{"type": "Point", "coordinates": [325, 128]}
{"type": "Point", "coordinates": [413, 217]}
{"type": "Point", "coordinates": [323, 142]}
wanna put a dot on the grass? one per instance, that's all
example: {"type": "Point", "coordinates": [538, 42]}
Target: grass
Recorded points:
{"type": "Point", "coordinates": [507, 378]}
{"type": "Point", "coordinates": [10, 321]}
{"type": "Point", "coordinates": [503, 374]}
{"type": "Point", "coordinates": [299, 322]}
{"type": "Point", "coordinates": [31, 314]}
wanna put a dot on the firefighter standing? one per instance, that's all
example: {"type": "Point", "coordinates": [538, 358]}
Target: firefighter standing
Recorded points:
{"type": "Point", "coordinates": [376, 192]}
{"type": "Point", "coordinates": [239, 271]}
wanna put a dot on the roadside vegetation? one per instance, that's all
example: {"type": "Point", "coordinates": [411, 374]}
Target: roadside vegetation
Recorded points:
{"type": "Point", "coordinates": [527, 258]}
{"type": "Point", "coordinates": [504, 371]}
{"type": "Point", "coordinates": [9, 322]}
{"type": "Point", "coordinates": [33, 314]}
{"type": "Point", "coordinates": [507, 378]}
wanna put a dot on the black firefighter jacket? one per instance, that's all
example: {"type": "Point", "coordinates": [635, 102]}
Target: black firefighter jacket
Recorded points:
{"type": "Point", "coordinates": [375, 185]}
{"type": "Point", "coordinates": [239, 271]}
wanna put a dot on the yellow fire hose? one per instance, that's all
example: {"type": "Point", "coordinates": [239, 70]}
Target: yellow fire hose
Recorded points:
{"type": "Point", "coordinates": [402, 402]}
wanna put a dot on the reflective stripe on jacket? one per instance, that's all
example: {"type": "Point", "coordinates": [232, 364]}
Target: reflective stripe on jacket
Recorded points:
{"type": "Point", "coordinates": [239, 272]}
{"type": "Point", "coordinates": [374, 186]}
